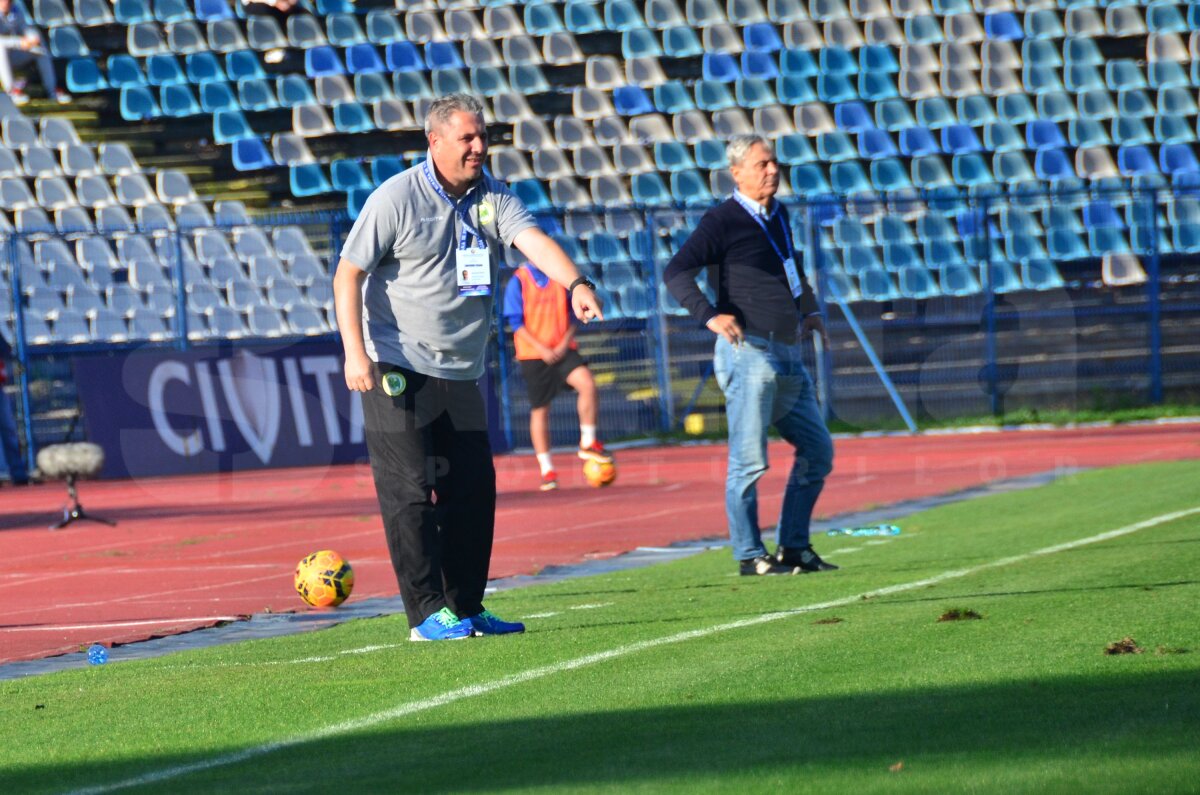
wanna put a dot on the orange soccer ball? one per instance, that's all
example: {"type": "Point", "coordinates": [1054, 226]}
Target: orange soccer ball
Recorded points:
{"type": "Point", "coordinates": [324, 579]}
{"type": "Point", "coordinates": [598, 474]}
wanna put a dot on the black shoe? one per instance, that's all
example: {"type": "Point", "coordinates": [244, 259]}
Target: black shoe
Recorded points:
{"type": "Point", "coordinates": [763, 564]}
{"type": "Point", "coordinates": [803, 558]}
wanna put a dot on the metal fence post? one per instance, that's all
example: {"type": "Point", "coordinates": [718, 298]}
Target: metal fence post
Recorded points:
{"type": "Point", "coordinates": [989, 314]}
{"type": "Point", "coordinates": [180, 293]}
{"type": "Point", "coordinates": [656, 329]}
{"type": "Point", "coordinates": [22, 353]}
{"type": "Point", "coordinates": [1153, 304]}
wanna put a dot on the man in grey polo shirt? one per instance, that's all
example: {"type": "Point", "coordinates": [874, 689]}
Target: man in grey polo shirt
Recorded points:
{"type": "Point", "coordinates": [413, 292]}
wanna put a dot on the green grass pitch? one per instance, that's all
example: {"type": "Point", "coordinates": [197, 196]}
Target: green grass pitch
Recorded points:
{"type": "Point", "coordinates": [686, 678]}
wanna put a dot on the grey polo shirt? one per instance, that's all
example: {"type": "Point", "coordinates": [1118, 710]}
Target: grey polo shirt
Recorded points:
{"type": "Point", "coordinates": [405, 239]}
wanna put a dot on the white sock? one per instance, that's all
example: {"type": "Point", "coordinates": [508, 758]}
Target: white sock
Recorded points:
{"type": "Point", "coordinates": [544, 462]}
{"type": "Point", "coordinates": [587, 435]}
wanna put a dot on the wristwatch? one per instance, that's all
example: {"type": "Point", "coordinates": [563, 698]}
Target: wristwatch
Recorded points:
{"type": "Point", "coordinates": [581, 280]}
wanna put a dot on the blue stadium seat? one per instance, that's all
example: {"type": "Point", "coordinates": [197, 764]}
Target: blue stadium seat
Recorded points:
{"type": "Point", "coordinates": [132, 12]}
{"type": "Point", "coordinates": [164, 70]}
{"type": "Point", "coordinates": [293, 90]}
{"type": "Point", "coordinates": [582, 17]}
{"type": "Point", "coordinates": [857, 258]}
{"type": "Point", "coordinates": [542, 19]}
{"type": "Point", "coordinates": [877, 58]}
{"type": "Point", "coordinates": [795, 90]}
{"type": "Point", "coordinates": [1040, 274]}
{"type": "Point", "coordinates": [385, 167]}
{"type": "Point", "coordinates": [890, 175]}
{"type": "Point", "coordinates": [935, 113]}
{"type": "Point", "coordinates": [230, 125]}
{"type": "Point", "coordinates": [874, 143]}
{"type": "Point", "coordinates": [720, 66]}
{"type": "Point", "coordinates": [759, 64]}
{"type": "Point", "coordinates": [1167, 74]}
{"type": "Point", "coordinates": [251, 154]}
{"type": "Point", "coordinates": [363, 58]}
{"type": "Point", "coordinates": [848, 177]}
{"type": "Point", "coordinates": [1178, 158]}
{"type": "Point", "coordinates": [1136, 160]}
{"type": "Point", "coordinates": [1015, 108]}
{"type": "Point", "coordinates": [352, 117]}
{"type": "Point", "coordinates": [449, 81]}
{"type": "Point", "coordinates": [649, 190]}
{"type": "Point", "coordinates": [1056, 106]}
{"type": "Point", "coordinates": [1176, 101]}
{"type": "Point", "coordinates": [1134, 103]}
{"type": "Point", "coordinates": [178, 101]}
{"type": "Point", "coordinates": [138, 104]}
{"type": "Point", "coordinates": [1088, 132]}
{"type": "Point", "coordinates": [443, 55]}
{"type": "Point", "coordinates": [893, 115]}
{"type": "Point", "coordinates": [837, 61]}
{"type": "Point", "coordinates": [917, 282]}
{"type": "Point", "coordinates": [924, 29]}
{"type": "Point", "coordinates": [671, 156]}
{"type": "Point", "coordinates": [215, 96]}
{"type": "Point", "coordinates": [958, 279]}
{"type": "Point", "coordinates": [834, 147]}
{"type": "Point", "coordinates": [1107, 240]}
{"type": "Point", "coordinates": [711, 95]}
{"type": "Point", "coordinates": [84, 77]}
{"type": "Point", "coordinates": [1040, 51]}
{"type": "Point", "coordinates": [1044, 134]}
{"type": "Point", "coordinates": [375, 87]}
{"type": "Point", "coordinates": [322, 62]}
{"type": "Point", "coordinates": [1053, 165]}
{"type": "Point", "coordinates": [929, 172]}
{"type": "Point", "coordinates": [1042, 24]}
{"type": "Point", "coordinates": [960, 139]}
{"type": "Point", "coordinates": [410, 86]}
{"type": "Point", "coordinates": [875, 284]}
{"type": "Point", "coordinates": [1040, 79]}
{"type": "Point", "coordinates": [918, 141]}
{"type": "Point", "coordinates": [1123, 73]}
{"type": "Point", "coordinates": [681, 42]}
{"type": "Point", "coordinates": [976, 110]}
{"type": "Point", "coordinates": [808, 179]}
{"type": "Point", "coordinates": [631, 101]}
{"type": "Point", "coordinates": [897, 256]}
{"type": "Point", "coordinates": [202, 67]}
{"type": "Point", "coordinates": [690, 189]}
{"type": "Point", "coordinates": [851, 232]}
{"type": "Point", "coordinates": [673, 97]}
{"type": "Point", "coordinates": [762, 37]}
{"type": "Point", "coordinates": [834, 88]}
{"type": "Point", "coordinates": [799, 63]}
{"type": "Point", "coordinates": [876, 86]}
{"type": "Point", "coordinates": [403, 56]}
{"type": "Point", "coordinates": [1018, 247]}
{"type": "Point", "coordinates": [1096, 104]}
{"type": "Point", "coordinates": [640, 43]}
{"type": "Point", "coordinates": [893, 229]}
{"type": "Point", "coordinates": [241, 64]}
{"type": "Point", "coordinates": [213, 10]}
{"type": "Point", "coordinates": [1003, 26]}
{"type": "Point", "coordinates": [710, 154]}
{"type": "Point", "coordinates": [622, 15]}
{"type": "Point", "coordinates": [794, 149]}
{"type": "Point", "coordinates": [383, 27]}
{"type": "Point", "coordinates": [308, 179]}
{"type": "Point", "coordinates": [1131, 131]}
{"type": "Point", "coordinates": [124, 70]}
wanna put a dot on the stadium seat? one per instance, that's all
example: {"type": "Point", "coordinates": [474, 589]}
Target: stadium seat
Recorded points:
{"type": "Point", "coordinates": [137, 103]}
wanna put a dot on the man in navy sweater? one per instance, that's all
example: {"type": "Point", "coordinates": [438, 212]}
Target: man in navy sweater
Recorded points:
{"type": "Point", "coordinates": [764, 306]}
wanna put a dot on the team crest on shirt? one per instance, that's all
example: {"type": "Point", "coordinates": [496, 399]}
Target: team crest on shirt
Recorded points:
{"type": "Point", "coordinates": [486, 212]}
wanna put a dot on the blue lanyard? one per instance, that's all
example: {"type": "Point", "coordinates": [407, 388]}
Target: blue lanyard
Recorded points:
{"type": "Point", "coordinates": [460, 209]}
{"type": "Point", "coordinates": [753, 210]}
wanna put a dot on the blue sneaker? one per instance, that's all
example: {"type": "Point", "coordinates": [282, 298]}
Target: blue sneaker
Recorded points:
{"type": "Point", "coordinates": [486, 623]}
{"type": "Point", "coordinates": [442, 625]}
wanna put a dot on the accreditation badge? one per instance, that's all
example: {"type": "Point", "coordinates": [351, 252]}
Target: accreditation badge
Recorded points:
{"type": "Point", "coordinates": [793, 277]}
{"type": "Point", "coordinates": [394, 384]}
{"type": "Point", "coordinates": [473, 267]}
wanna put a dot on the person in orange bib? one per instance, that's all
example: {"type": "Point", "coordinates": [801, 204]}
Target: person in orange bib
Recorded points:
{"type": "Point", "coordinates": [538, 312]}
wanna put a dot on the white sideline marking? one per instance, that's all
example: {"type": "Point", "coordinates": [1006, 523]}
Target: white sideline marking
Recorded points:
{"type": "Point", "coordinates": [542, 615]}
{"type": "Point", "coordinates": [110, 624]}
{"type": "Point", "coordinates": [591, 606]}
{"type": "Point", "coordinates": [532, 674]}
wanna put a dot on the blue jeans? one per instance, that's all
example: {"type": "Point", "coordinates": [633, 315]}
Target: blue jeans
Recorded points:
{"type": "Point", "coordinates": [765, 383]}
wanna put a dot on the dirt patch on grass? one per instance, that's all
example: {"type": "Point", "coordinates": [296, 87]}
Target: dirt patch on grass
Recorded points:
{"type": "Point", "coordinates": [960, 614]}
{"type": "Point", "coordinates": [830, 620]}
{"type": "Point", "coordinates": [1125, 645]}
{"type": "Point", "coordinates": [1161, 650]}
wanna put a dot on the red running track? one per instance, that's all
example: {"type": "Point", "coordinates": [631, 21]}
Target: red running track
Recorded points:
{"type": "Point", "coordinates": [190, 552]}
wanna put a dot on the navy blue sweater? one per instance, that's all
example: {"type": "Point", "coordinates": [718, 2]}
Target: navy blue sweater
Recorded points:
{"type": "Point", "coordinates": [751, 284]}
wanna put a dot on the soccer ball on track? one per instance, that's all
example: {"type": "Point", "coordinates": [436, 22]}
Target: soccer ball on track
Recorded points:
{"type": "Point", "coordinates": [598, 474]}
{"type": "Point", "coordinates": [324, 579]}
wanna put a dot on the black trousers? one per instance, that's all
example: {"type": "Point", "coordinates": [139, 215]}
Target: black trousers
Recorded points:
{"type": "Point", "coordinates": [436, 484]}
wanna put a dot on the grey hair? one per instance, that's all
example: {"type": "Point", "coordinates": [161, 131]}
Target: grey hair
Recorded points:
{"type": "Point", "coordinates": [442, 108]}
{"type": "Point", "coordinates": [739, 145]}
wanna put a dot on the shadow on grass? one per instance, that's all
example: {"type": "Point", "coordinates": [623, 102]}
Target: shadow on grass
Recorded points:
{"type": "Point", "coordinates": [809, 742]}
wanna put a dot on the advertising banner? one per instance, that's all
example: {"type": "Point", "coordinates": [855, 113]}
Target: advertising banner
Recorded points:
{"type": "Point", "coordinates": [222, 409]}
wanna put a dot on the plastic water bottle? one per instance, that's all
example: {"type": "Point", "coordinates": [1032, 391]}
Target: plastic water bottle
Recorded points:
{"type": "Point", "coordinates": [97, 654]}
{"type": "Point", "coordinates": [876, 530]}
